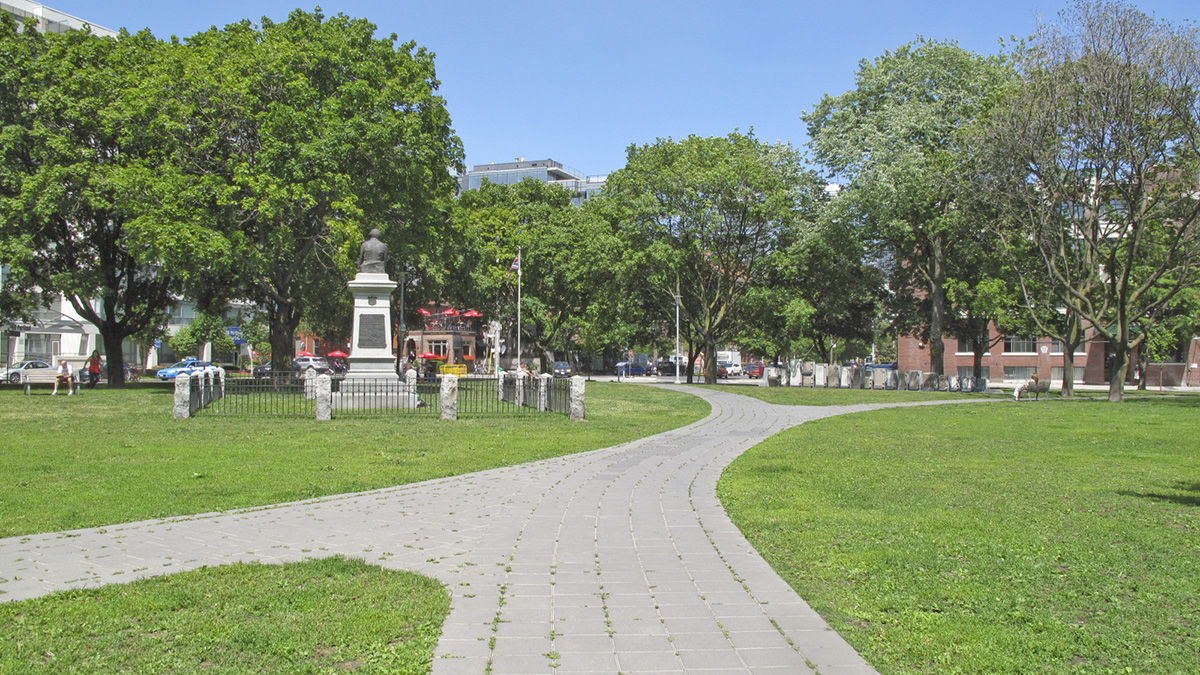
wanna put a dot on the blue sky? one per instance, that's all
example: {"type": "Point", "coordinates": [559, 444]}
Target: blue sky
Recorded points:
{"type": "Point", "coordinates": [579, 82]}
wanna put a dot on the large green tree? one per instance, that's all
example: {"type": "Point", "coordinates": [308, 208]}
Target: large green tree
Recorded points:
{"type": "Point", "coordinates": [702, 217]}
{"type": "Point", "coordinates": [81, 131]}
{"type": "Point", "coordinates": [298, 138]}
{"type": "Point", "coordinates": [1096, 157]}
{"type": "Point", "coordinates": [895, 139]}
{"type": "Point", "coordinates": [568, 258]}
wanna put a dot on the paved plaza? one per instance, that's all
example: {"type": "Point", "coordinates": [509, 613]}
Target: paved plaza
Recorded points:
{"type": "Point", "coordinates": [618, 560]}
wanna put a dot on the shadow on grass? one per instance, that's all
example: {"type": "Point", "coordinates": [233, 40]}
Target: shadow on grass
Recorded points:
{"type": "Point", "coordinates": [1175, 400]}
{"type": "Point", "coordinates": [1182, 500]}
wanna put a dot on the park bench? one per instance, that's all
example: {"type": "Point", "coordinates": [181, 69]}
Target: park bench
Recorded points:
{"type": "Point", "coordinates": [44, 376]}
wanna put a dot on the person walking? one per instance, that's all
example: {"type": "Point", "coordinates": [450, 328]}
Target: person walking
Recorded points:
{"type": "Point", "coordinates": [93, 368]}
{"type": "Point", "coordinates": [64, 374]}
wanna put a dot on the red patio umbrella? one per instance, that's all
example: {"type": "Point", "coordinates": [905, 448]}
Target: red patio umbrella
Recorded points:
{"type": "Point", "coordinates": [450, 312]}
{"type": "Point", "coordinates": [304, 352]}
{"type": "Point", "coordinates": [424, 312]}
{"type": "Point", "coordinates": [431, 355]}
{"type": "Point", "coordinates": [472, 314]}
{"type": "Point", "coordinates": [337, 354]}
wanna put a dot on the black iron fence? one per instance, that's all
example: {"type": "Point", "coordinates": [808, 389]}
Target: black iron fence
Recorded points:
{"type": "Point", "coordinates": [324, 397]}
{"type": "Point", "coordinates": [279, 396]}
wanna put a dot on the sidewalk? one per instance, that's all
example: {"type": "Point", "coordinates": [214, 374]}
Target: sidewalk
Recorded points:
{"type": "Point", "coordinates": [615, 560]}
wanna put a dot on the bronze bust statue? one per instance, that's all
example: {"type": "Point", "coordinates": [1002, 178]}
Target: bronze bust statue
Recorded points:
{"type": "Point", "coordinates": [373, 255]}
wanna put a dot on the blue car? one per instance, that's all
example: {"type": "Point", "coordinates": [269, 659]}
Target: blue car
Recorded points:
{"type": "Point", "coordinates": [626, 368]}
{"type": "Point", "coordinates": [189, 365]}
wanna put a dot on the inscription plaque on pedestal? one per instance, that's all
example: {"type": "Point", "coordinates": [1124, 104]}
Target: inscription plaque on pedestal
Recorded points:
{"type": "Point", "coordinates": [372, 331]}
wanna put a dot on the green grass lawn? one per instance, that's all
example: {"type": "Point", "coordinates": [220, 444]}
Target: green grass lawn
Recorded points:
{"type": "Point", "coordinates": [113, 456]}
{"type": "Point", "coordinates": [1056, 537]}
{"type": "Point", "coordinates": [314, 617]}
{"type": "Point", "coordinates": [836, 396]}
{"type": "Point", "coordinates": [109, 456]}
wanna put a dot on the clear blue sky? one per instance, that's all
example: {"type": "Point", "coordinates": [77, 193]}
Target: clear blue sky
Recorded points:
{"type": "Point", "coordinates": [580, 81]}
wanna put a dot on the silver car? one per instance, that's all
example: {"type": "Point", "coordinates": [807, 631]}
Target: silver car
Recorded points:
{"type": "Point", "coordinates": [13, 373]}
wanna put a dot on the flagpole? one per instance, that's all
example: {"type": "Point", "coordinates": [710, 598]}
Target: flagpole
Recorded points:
{"type": "Point", "coordinates": [519, 272]}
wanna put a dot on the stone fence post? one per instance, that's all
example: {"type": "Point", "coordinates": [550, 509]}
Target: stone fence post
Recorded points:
{"type": "Point", "coordinates": [577, 398]}
{"type": "Point", "coordinates": [183, 397]}
{"type": "Point", "coordinates": [310, 384]}
{"type": "Point", "coordinates": [543, 400]}
{"type": "Point", "coordinates": [449, 396]}
{"type": "Point", "coordinates": [324, 397]}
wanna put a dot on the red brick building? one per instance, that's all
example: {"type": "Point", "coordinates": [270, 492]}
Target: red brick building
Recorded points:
{"type": "Point", "coordinates": [1016, 359]}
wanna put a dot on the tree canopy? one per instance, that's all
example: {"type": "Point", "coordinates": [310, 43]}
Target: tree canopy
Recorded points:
{"type": "Point", "coordinates": [702, 217]}
{"type": "Point", "coordinates": [1095, 158]}
{"type": "Point", "coordinates": [895, 138]}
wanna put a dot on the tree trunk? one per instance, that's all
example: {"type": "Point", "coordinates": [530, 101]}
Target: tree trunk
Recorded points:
{"type": "Point", "coordinates": [710, 360]}
{"type": "Point", "coordinates": [115, 357]}
{"type": "Point", "coordinates": [1116, 381]}
{"type": "Point", "coordinates": [282, 322]}
{"type": "Point", "coordinates": [937, 310]}
{"type": "Point", "coordinates": [1071, 339]}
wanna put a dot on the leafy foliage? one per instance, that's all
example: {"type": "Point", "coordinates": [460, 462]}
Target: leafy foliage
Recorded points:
{"type": "Point", "coordinates": [896, 137]}
{"type": "Point", "coordinates": [702, 218]}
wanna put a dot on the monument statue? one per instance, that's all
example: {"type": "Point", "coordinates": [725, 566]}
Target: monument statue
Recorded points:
{"type": "Point", "coordinates": [373, 255]}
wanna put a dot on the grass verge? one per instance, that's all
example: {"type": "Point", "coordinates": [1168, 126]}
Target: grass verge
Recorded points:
{"type": "Point", "coordinates": [313, 617]}
{"type": "Point", "coordinates": [836, 396]}
{"type": "Point", "coordinates": [1059, 537]}
{"type": "Point", "coordinates": [113, 456]}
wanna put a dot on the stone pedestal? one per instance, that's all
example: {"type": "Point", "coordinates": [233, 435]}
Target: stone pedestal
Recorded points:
{"type": "Point", "coordinates": [371, 343]}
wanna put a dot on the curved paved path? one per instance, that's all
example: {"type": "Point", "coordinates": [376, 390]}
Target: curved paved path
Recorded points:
{"type": "Point", "coordinates": [614, 560]}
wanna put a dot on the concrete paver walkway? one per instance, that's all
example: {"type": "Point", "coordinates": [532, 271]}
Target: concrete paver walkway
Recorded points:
{"type": "Point", "coordinates": [615, 560]}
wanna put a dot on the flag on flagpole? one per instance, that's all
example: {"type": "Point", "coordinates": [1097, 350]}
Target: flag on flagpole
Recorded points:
{"type": "Point", "coordinates": [515, 266]}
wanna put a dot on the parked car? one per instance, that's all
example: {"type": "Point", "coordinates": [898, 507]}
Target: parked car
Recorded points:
{"type": "Point", "coordinates": [734, 369]}
{"type": "Point", "coordinates": [754, 370]}
{"type": "Point", "coordinates": [262, 372]}
{"type": "Point", "coordinates": [668, 368]}
{"type": "Point", "coordinates": [13, 373]}
{"type": "Point", "coordinates": [627, 368]}
{"type": "Point", "coordinates": [189, 365]}
{"type": "Point", "coordinates": [317, 363]}
{"type": "Point", "coordinates": [563, 369]}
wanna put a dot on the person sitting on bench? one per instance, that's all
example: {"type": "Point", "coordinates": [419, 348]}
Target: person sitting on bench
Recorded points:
{"type": "Point", "coordinates": [64, 375]}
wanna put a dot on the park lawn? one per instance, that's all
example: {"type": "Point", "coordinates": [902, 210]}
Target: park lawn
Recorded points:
{"type": "Point", "coordinates": [312, 617]}
{"type": "Point", "coordinates": [1054, 537]}
{"type": "Point", "coordinates": [113, 456]}
{"type": "Point", "coordinates": [836, 396]}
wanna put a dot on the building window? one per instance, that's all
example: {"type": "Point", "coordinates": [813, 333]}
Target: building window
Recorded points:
{"type": "Point", "coordinates": [439, 347]}
{"type": "Point", "coordinates": [1056, 373]}
{"type": "Point", "coordinates": [969, 371]}
{"type": "Point", "coordinates": [1020, 345]}
{"type": "Point", "coordinates": [42, 346]}
{"type": "Point", "coordinates": [1019, 373]}
{"type": "Point", "coordinates": [1056, 347]}
{"type": "Point", "coordinates": [968, 347]}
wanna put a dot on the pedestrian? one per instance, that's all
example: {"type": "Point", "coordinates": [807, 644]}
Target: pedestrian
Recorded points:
{"type": "Point", "coordinates": [93, 368]}
{"type": "Point", "coordinates": [64, 374]}
{"type": "Point", "coordinates": [1024, 387]}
